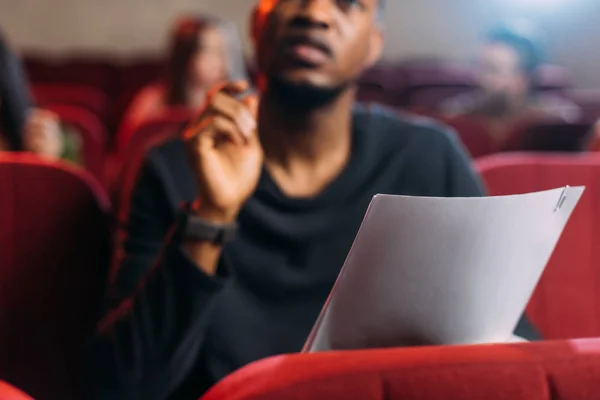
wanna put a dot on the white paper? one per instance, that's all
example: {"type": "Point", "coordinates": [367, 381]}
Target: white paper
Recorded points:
{"type": "Point", "coordinates": [442, 270]}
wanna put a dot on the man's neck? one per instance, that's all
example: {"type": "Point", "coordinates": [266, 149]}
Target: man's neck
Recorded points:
{"type": "Point", "coordinates": [306, 150]}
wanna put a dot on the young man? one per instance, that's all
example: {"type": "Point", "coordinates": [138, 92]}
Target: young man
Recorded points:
{"type": "Point", "coordinates": [507, 66]}
{"type": "Point", "coordinates": [295, 176]}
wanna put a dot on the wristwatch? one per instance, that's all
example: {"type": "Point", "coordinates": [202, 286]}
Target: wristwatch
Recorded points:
{"type": "Point", "coordinates": [196, 228]}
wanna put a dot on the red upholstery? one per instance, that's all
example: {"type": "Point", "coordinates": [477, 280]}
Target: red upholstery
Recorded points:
{"type": "Point", "coordinates": [90, 98]}
{"type": "Point", "coordinates": [566, 303]}
{"type": "Point", "coordinates": [550, 137]}
{"type": "Point", "coordinates": [132, 78]}
{"type": "Point", "coordinates": [474, 135]}
{"type": "Point", "coordinates": [93, 135]}
{"type": "Point", "coordinates": [83, 70]}
{"type": "Point", "coordinates": [528, 371]}
{"type": "Point", "coordinates": [8, 392]}
{"type": "Point", "coordinates": [53, 265]}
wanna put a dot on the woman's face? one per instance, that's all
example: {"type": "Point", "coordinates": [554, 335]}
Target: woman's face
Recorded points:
{"type": "Point", "coordinates": [209, 65]}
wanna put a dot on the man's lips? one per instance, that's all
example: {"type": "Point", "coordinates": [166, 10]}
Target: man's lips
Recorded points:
{"type": "Point", "coordinates": [306, 49]}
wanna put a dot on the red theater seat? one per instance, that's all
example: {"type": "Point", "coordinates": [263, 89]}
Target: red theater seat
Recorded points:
{"type": "Point", "coordinates": [473, 134]}
{"type": "Point", "coordinates": [566, 303]}
{"type": "Point", "coordinates": [90, 98]}
{"type": "Point", "coordinates": [528, 371]}
{"type": "Point", "coordinates": [132, 78]}
{"type": "Point", "coordinates": [8, 392]}
{"type": "Point", "coordinates": [53, 266]}
{"type": "Point", "coordinates": [82, 70]}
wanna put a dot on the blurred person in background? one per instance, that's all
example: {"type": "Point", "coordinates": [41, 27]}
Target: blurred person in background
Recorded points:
{"type": "Point", "coordinates": [507, 94]}
{"type": "Point", "coordinates": [24, 128]}
{"type": "Point", "coordinates": [204, 50]}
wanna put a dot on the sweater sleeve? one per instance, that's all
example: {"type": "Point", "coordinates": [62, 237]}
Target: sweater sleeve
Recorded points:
{"type": "Point", "coordinates": [150, 338]}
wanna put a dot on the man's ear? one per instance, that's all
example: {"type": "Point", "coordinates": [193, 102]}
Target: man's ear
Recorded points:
{"type": "Point", "coordinates": [375, 47]}
{"type": "Point", "coordinates": [259, 16]}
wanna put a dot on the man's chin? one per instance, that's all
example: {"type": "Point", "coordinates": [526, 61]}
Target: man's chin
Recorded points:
{"type": "Point", "coordinates": [303, 93]}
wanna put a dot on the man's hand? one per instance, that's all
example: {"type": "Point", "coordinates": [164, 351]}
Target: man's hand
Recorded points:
{"type": "Point", "coordinates": [42, 134]}
{"type": "Point", "coordinates": [225, 152]}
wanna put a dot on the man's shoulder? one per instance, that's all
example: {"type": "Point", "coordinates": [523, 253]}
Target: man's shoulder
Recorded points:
{"type": "Point", "coordinates": [393, 128]}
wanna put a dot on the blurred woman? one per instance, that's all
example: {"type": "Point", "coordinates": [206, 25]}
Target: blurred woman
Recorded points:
{"type": "Point", "coordinates": [203, 51]}
{"type": "Point", "coordinates": [22, 127]}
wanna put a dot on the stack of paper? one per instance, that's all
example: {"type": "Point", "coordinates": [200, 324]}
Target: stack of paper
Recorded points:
{"type": "Point", "coordinates": [442, 270]}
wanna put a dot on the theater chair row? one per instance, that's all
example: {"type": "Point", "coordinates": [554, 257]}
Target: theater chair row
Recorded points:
{"type": "Point", "coordinates": [54, 238]}
{"type": "Point", "coordinates": [420, 85]}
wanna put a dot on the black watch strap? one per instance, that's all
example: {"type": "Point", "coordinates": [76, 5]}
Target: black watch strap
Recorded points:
{"type": "Point", "coordinates": [199, 229]}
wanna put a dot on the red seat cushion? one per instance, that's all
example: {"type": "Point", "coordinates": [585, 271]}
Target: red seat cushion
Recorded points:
{"type": "Point", "coordinates": [540, 371]}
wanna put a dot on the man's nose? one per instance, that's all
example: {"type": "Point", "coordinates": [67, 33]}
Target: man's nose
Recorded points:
{"type": "Point", "coordinates": [315, 13]}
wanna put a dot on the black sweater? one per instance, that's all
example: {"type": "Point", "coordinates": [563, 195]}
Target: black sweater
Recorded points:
{"type": "Point", "coordinates": [180, 330]}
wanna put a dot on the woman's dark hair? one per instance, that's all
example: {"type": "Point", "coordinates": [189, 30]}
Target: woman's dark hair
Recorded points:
{"type": "Point", "coordinates": [185, 43]}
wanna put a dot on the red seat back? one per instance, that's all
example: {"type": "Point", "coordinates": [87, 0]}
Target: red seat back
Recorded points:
{"type": "Point", "coordinates": [528, 371]}
{"type": "Point", "coordinates": [53, 267]}
{"type": "Point", "coordinates": [90, 98]}
{"type": "Point", "coordinates": [565, 303]}
{"type": "Point", "coordinates": [132, 78]}
{"type": "Point", "coordinates": [76, 70]}
{"type": "Point", "coordinates": [9, 392]}
{"type": "Point", "coordinates": [473, 134]}
{"type": "Point", "coordinates": [93, 135]}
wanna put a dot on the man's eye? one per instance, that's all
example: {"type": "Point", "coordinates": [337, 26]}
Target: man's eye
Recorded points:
{"type": "Point", "coordinates": [351, 3]}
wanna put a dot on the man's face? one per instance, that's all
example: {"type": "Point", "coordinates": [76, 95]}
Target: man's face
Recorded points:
{"type": "Point", "coordinates": [322, 44]}
{"type": "Point", "coordinates": [500, 75]}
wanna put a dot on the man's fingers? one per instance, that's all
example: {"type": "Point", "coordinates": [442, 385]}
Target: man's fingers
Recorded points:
{"type": "Point", "coordinates": [251, 102]}
{"type": "Point", "coordinates": [216, 129]}
{"type": "Point", "coordinates": [231, 88]}
{"type": "Point", "coordinates": [236, 111]}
